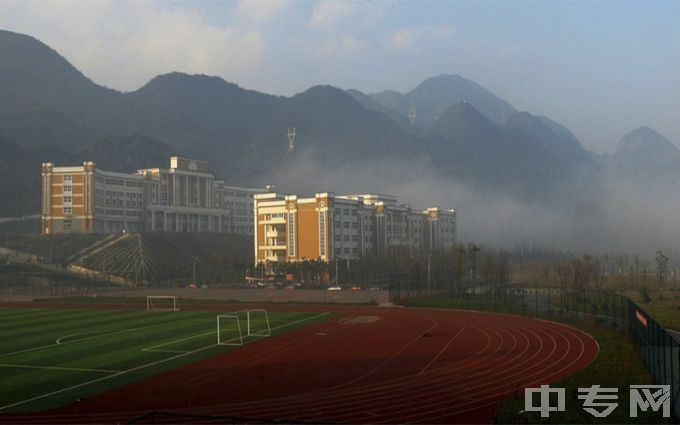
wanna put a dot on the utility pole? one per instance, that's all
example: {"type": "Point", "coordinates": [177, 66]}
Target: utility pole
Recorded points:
{"type": "Point", "coordinates": [336, 271]}
{"type": "Point", "coordinates": [429, 269]}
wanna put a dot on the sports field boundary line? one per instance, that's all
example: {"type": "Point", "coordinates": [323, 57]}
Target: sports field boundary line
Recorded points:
{"type": "Point", "coordinates": [82, 384]}
{"type": "Point", "coordinates": [207, 377]}
{"type": "Point", "coordinates": [76, 369]}
{"type": "Point", "coordinates": [58, 341]}
{"type": "Point", "coordinates": [28, 350]}
{"type": "Point", "coordinates": [151, 349]}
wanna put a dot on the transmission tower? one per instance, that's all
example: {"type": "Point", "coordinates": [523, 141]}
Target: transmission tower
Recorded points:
{"type": "Point", "coordinates": [291, 139]}
{"type": "Point", "coordinates": [412, 115]}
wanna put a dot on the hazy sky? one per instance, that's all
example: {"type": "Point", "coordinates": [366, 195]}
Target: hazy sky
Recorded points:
{"type": "Point", "coordinates": [600, 68]}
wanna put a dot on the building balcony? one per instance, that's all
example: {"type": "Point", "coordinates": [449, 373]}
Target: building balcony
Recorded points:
{"type": "Point", "coordinates": [278, 220]}
{"type": "Point", "coordinates": [277, 258]}
{"type": "Point", "coordinates": [275, 233]}
{"type": "Point", "coordinates": [273, 247]}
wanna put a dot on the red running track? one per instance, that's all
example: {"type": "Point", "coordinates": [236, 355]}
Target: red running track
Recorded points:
{"type": "Point", "coordinates": [408, 366]}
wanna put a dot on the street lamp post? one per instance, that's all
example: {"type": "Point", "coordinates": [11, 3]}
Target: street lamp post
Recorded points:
{"type": "Point", "coordinates": [429, 268]}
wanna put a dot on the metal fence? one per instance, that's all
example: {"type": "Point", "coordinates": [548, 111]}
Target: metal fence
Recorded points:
{"type": "Point", "coordinates": [659, 348]}
{"type": "Point", "coordinates": [48, 284]}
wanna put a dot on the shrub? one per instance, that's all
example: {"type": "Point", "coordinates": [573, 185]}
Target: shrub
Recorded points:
{"type": "Point", "coordinates": [645, 295]}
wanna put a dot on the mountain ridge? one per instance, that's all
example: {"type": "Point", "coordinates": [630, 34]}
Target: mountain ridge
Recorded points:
{"type": "Point", "coordinates": [480, 140]}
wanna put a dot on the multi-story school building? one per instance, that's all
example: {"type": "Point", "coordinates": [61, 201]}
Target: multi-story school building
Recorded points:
{"type": "Point", "coordinates": [183, 198]}
{"type": "Point", "coordinates": [326, 227]}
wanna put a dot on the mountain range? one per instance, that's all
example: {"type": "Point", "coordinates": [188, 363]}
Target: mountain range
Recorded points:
{"type": "Point", "coordinates": [450, 126]}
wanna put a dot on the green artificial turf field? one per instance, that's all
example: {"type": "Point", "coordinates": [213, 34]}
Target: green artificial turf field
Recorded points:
{"type": "Point", "coordinates": [49, 357]}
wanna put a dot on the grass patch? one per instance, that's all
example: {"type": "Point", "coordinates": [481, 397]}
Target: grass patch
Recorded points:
{"type": "Point", "coordinates": [664, 306]}
{"type": "Point", "coordinates": [70, 354]}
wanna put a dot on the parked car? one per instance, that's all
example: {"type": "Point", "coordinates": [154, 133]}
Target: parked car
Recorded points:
{"type": "Point", "coordinates": [334, 288]}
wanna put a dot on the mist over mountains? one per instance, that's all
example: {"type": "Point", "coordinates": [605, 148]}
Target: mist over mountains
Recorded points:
{"type": "Point", "coordinates": [515, 177]}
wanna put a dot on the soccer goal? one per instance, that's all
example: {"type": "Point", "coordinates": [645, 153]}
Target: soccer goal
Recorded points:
{"type": "Point", "coordinates": [161, 303]}
{"type": "Point", "coordinates": [234, 328]}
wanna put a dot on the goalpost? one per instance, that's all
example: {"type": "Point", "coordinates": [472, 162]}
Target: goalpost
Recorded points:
{"type": "Point", "coordinates": [229, 330]}
{"type": "Point", "coordinates": [161, 303]}
{"type": "Point", "coordinates": [233, 328]}
{"type": "Point", "coordinates": [257, 323]}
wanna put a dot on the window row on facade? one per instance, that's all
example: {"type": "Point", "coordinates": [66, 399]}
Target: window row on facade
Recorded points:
{"type": "Point", "coordinates": [326, 227]}
{"type": "Point", "coordinates": [184, 197]}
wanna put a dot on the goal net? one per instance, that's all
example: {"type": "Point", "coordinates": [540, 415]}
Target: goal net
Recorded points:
{"type": "Point", "coordinates": [234, 328]}
{"type": "Point", "coordinates": [161, 303]}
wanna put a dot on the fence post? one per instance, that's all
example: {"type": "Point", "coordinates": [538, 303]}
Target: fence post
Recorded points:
{"type": "Point", "coordinates": [585, 303]}
{"type": "Point", "coordinates": [536, 299]}
{"type": "Point", "coordinates": [675, 381]}
{"type": "Point", "coordinates": [606, 310]}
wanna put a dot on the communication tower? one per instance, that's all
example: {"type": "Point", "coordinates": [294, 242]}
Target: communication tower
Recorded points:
{"type": "Point", "coordinates": [412, 114]}
{"type": "Point", "coordinates": [291, 139]}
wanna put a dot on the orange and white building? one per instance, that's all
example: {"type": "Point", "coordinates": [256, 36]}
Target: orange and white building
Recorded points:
{"type": "Point", "coordinates": [326, 227]}
{"type": "Point", "coordinates": [182, 198]}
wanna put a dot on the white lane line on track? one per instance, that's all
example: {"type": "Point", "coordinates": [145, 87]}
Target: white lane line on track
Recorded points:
{"type": "Point", "coordinates": [493, 394]}
{"type": "Point", "coordinates": [483, 388]}
{"type": "Point", "coordinates": [442, 350]}
{"type": "Point", "coordinates": [384, 362]}
{"type": "Point", "coordinates": [498, 394]}
{"type": "Point", "coordinates": [446, 410]}
{"type": "Point", "coordinates": [211, 376]}
{"type": "Point", "coordinates": [379, 389]}
{"type": "Point", "coordinates": [477, 405]}
{"type": "Point", "coordinates": [204, 409]}
{"type": "Point", "coordinates": [327, 398]}
{"type": "Point", "coordinates": [458, 411]}
{"type": "Point", "coordinates": [425, 388]}
{"type": "Point", "coordinates": [76, 369]}
{"type": "Point", "coordinates": [330, 393]}
{"type": "Point", "coordinates": [487, 387]}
